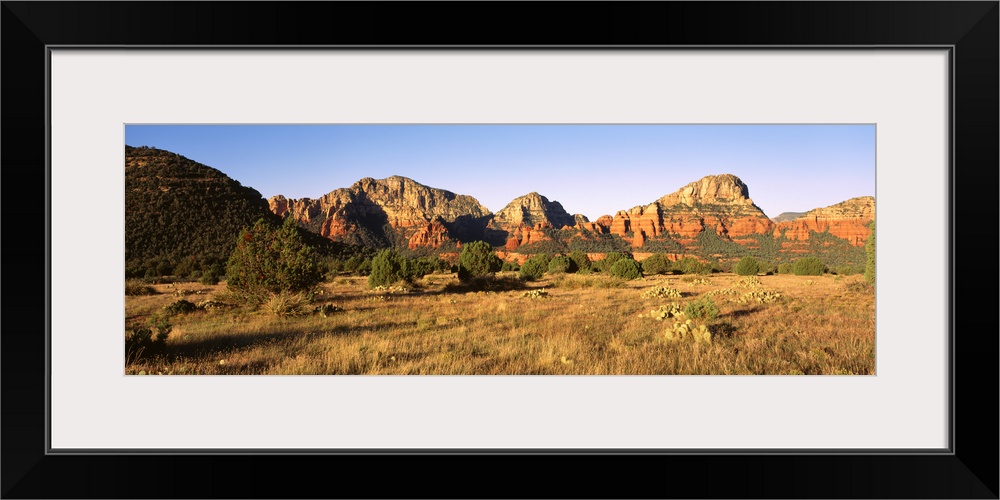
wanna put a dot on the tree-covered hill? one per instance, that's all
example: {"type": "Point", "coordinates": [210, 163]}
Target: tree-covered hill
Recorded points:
{"type": "Point", "coordinates": [179, 212]}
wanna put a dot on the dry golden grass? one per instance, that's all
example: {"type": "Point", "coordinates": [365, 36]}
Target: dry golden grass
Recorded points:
{"type": "Point", "coordinates": [591, 325]}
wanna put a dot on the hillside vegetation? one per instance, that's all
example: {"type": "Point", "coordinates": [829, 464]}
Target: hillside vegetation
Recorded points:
{"type": "Point", "coordinates": [182, 217]}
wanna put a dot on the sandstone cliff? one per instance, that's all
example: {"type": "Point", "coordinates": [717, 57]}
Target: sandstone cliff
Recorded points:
{"type": "Point", "coordinates": [848, 220]}
{"type": "Point", "coordinates": [400, 211]}
{"type": "Point", "coordinates": [377, 208]}
{"type": "Point", "coordinates": [526, 218]}
{"type": "Point", "coordinates": [719, 201]}
{"type": "Point", "coordinates": [533, 209]}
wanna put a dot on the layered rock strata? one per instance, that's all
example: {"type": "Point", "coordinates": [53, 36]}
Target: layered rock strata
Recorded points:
{"type": "Point", "coordinates": [848, 220]}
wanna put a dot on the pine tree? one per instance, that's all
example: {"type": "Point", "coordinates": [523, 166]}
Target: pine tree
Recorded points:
{"type": "Point", "coordinates": [269, 261]}
{"type": "Point", "coordinates": [478, 260]}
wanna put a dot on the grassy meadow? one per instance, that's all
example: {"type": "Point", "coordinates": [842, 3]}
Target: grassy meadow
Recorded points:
{"type": "Point", "coordinates": [565, 324]}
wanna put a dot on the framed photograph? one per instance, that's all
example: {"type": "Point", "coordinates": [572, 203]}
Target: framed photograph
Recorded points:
{"type": "Point", "coordinates": [680, 145]}
{"type": "Point", "coordinates": [387, 274]}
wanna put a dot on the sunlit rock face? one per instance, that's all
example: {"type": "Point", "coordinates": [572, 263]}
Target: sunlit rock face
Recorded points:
{"type": "Point", "coordinates": [848, 220]}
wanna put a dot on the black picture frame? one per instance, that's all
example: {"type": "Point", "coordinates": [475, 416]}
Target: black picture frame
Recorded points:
{"type": "Point", "coordinates": [969, 470]}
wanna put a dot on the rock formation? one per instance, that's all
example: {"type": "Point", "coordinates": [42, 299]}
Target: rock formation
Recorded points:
{"type": "Point", "coordinates": [525, 235]}
{"type": "Point", "coordinates": [432, 234]}
{"type": "Point", "coordinates": [526, 218]}
{"type": "Point", "coordinates": [787, 216]}
{"type": "Point", "coordinates": [533, 209]}
{"type": "Point", "coordinates": [719, 201]}
{"type": "Point", "coordinates": [848, 220]}
{"type": "Point", "coordinates": [725, 189]}
{"type": "Point", "coordinates": [418, 214]}
{"type": "Point", "coordinates": [400, 211]}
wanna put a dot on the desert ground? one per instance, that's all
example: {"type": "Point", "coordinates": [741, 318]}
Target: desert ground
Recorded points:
{"type": "Point", "coordinates": [561, 325]}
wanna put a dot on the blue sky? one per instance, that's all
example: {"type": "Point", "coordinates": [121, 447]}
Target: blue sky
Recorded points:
{"type": "Point", "coordinates": [590, 169]}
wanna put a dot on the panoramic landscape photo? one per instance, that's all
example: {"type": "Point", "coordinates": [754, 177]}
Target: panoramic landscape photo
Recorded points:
{"type": "Point", "coordinates": [499, 250]}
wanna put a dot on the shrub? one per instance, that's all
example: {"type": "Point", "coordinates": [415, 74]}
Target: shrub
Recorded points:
{"type": "Point", "coordinates": [808, 266]}
{"type": "Point", "coordinates": [510, 266]}
{"type": "Point", "coordinates": [544, 259]}
{"type": "Point", "coordinates": [671, 310]}
{"type": "Point", "coordinates": [848, 270]}
{"type": "Point", "coordinates": [716, 265]}
{"type": "Point", "coordinates": [748, 282]}
{"type": "Point", "coordinates": [760, 296]}
{"type": "Point", "coordinates": [690, 265]}
{"type": "Point", "coordinates": [137, 340]}
{"type": "Point", "coordinates": [463, 274]}
{"type": "Point", "coordinates": [140, 340]}
{"type": "Point", "coordinates": [180, 307]}
{"type": "Point", "coordinates": [487, 284]}
{"type": "Point", "coordinates": [422, 266]}
{"type": "Point", "coordinates": [626, 269]}
{"type": "Point", "coordinates": [870, 253]}
{"type": "Point", "coordinates": [574, 282]}
{"type": "Point", "coordinates": [387, 268]}
{"type": "Point", "coordinates": [769, 268]}
{"type": "Point", "coordinates": [604, 265]}
{"type": "Point", "coordinates": [358, 264]}
{"type": "Point", "coordinates": [209, 277]}
{"type": "Point", "coordinates": [185, 268]}
{"type": "Point", "coordinates": [703, 308]}
{"type": "Point", "coordinates": [656, 264]}
{"type": "Point", "coordinates": [581, 261]}
{"type": "Point", "coordinates": [610, 283]}
{"type": "Point", "coordinates": [327, 310]}
{"type": "Point", "coordinates": [747, 266]}
{"type": "Point", "coordinates": [699, 333]}
{"type": "Point", "coordinates": [785, 268]}
{"type": "Point", "coordinates": [534, 267]}
{"type": "Point", "coordinates": [287, 304]}
{"type": "Point", "coordinates": [536, 294]}
{"type": "Point", "coordinates": [137, 287]}
{"type": "Point", "coordinates": [267, 261]}
{"type": "Point", "coordinates": [560, 264]}
{"type": "Point", "coordinates": [331, 266]}
{"type": "Point", "coordinates": [661, 292]}
{"type": "Point", "coordinates": [478, 260]}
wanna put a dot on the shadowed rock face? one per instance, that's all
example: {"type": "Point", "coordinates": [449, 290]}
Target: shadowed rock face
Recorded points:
{"type": "Point", "coordinates": [848, 220]}
{"type": "Point", "coordinates": [417, 214]}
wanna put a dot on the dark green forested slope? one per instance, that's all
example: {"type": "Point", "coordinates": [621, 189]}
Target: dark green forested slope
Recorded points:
{"type": "Point", "coordinates": [178, 211]}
